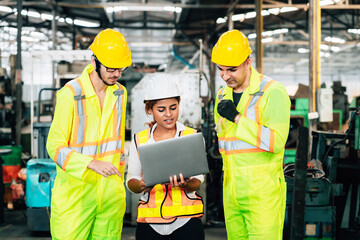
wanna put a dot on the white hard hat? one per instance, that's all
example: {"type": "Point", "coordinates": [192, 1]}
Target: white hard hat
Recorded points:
{"type": "Point", "coordinates": [161, 88]}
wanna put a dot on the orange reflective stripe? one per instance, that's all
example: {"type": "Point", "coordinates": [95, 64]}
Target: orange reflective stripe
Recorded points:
{"type": "Point", "coordinates": [220, 97]}
{"type": "Point", "coordinates": [115, 120]}
{"type": "Point", "coordinates": [272, 141]}
{"type": "Point", "coordinates": [67, 159]}
{"type": "Point", "coordinates": [170, 198]}
{"type": "Point", "coordinates": [247, 105]}
{"type": "Point", "coordinates": [76, 124]}
{"type": "Point", "coordinates": [252, 150]}
{"type": "Point", "coordinates": [57, 152]}
{"type": "Point", "coordinates": [258, 137]}
{"type": "Point", "coordinates": [76, 145]}
{"type": "Point", "coordinates": [228, 139]}
{"type": "Point", "coordinates": [109, 153]}
{"type": "Point", "coordinates": [268, 84]}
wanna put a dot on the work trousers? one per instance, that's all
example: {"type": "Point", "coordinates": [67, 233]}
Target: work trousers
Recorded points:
{"type": "Point", "coordinates": [192, 230]}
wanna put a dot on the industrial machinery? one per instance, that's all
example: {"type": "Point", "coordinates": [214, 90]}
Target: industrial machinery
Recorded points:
{"type": "Point", "coordinates": [39, 183]}
{"type": "Point", "coordinates": [41, 130]}
{"type": "Point", "coordinates": [331, 188]}
{"type": "Point", "coordinates": [340, 156]}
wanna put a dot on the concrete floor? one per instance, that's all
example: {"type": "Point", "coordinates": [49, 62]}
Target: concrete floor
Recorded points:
{"type": "Point", "coordinates": [15, 228]}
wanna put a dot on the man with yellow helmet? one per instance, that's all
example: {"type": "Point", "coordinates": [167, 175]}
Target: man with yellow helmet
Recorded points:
{"type": "Point", "coordinates": [86, 140]}
{"type": "Point", "coordinates": [252, 116]}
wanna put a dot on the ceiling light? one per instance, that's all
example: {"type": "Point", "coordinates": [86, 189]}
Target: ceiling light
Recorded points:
{"type": "Point", "coordinates": [36, 34]}
{"type": "Point", "coordinates": [143, 8]}
{"type": "Point", "coordinates": [288, 9]}
{"type": "Point", "coordinates": [238, 17]}
{"type": "Point", "coordinates": [33, 14]}
{"type": "Point", "coordinates": [269, 33]}
{"type": "Point", "coordinates": [221, 20]}
{"type": "Point", "coordinates": [274, 11]}
{"type": "Point", "coordinates": [69, 21]}
{"type": "Point", "coordinates": [356, 31]}
{"type": "Point", "coordinates": [45, 16]}
{"type": "Point", "coordinates": [250, 15]}
{"type": "Point", "coordinates": [334, 40]}
{"type": "Point", "coordinates": [173, 9]}
{"type": "Point", "coordinates": [265, 13]}
{"type": "Point", "coordinates": [334, 48]}
{"type": "Point", "coordinates": [5, 9]}
{"type": "Point", "coordinates": [322, 54]}
{"type": "Point", "coordinates": [326, 2]}
{"type": "Point", "coordinates": [252, 36]}
{"type": "Point", "coordinates": [303, 50]}
{"type": "Point", "coordinates": [116, 9]}
{"type": "Point", "coordinates": [83, 23]}
{"type": "Point", "coordinates": [281, 30]}
{"type": "Point", "coordinates": [324, 47]}
{"type": "Point", "coordinates": [29, 39]}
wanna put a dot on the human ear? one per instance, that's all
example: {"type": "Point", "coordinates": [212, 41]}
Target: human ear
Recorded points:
{"type": "Point", "coordinates": [93, 61]}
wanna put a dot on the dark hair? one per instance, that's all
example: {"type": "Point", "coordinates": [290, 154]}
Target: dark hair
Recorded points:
{"type": "Point", "coordinates": [149, 104]}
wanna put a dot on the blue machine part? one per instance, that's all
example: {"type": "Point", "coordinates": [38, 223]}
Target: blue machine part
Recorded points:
{"type": "Point", "coordinates": [40, 176]}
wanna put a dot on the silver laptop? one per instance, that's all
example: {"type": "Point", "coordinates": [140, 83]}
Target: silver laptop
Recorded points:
{"type": "Point", "coordinates": [166, 158]}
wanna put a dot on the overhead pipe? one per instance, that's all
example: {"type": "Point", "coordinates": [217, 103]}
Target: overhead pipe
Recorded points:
{"type": "Point", "coordinates": [182, 60]}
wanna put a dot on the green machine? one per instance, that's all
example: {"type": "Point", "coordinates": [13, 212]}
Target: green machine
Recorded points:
{"type": "Point", "coordinates": [298, 117]}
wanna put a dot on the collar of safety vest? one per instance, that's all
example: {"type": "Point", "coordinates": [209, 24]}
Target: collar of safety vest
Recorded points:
{"type": "Point", "coordinates": [255, 80]}
{"type": "Point", "coordinates": [254, 86]}
{"type": "Point", "coordinates": [88, 87]}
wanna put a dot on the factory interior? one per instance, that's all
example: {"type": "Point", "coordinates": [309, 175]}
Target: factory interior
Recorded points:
{"type": "Point", "coordinates": [312, 47]}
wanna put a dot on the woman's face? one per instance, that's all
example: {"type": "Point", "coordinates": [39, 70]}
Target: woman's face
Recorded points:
{"type": "Point", "coordinates": [166, 112]}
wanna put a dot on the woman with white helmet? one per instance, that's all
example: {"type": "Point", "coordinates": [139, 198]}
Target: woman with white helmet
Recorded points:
{"type": "Point", "coordinates": [172, 210]}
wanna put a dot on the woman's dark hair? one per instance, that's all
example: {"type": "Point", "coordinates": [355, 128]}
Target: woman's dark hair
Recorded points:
{"type": "Point", "coordinates": [149, 105]}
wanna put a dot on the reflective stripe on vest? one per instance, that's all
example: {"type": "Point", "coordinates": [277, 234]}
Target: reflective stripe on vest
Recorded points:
{"type": "Point", "coordinates": [165, 203]}
{"type": "Point", "coordinates": [220, 97]}
{"type": "Point", "coordinates": [99, 149]}
{"type": "Point", "coordinates": [265, 136]}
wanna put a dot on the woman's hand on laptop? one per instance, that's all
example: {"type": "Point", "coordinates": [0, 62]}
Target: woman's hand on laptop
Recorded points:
{"type": "Point", "coordinates": [175, 183]}
{"type": "Point", "coordinates": [188, 184]}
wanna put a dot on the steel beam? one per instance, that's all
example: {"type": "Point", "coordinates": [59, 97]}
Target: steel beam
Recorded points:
{"type": "Point", "coordinates": [259, 30]}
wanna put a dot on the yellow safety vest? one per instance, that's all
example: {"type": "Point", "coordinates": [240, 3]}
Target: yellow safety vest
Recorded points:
{"type": "Point", "coordinates": [93, 133]}
{"type": "Point", "coordinates": [254, 135]}
{"type": "Point", "coordinates": [166, 203]}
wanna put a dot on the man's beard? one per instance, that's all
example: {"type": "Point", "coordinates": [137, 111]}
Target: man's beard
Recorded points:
{"type": "Point", "coordinates": [107, 84]}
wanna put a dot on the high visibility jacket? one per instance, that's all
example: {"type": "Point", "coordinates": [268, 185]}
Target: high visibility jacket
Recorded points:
{"type": "Point", "coordinates": [166, 203]}
{"type": "Point", "coordinates": [80, 132]}
{"type": "Point", "coordinates": [252, 153]}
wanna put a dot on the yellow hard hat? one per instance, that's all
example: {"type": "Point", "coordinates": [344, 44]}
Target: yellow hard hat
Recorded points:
{"type": "Point", "coordinates": [111, 49]}
{"type": "Point", "coordinates": [232, 49]}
